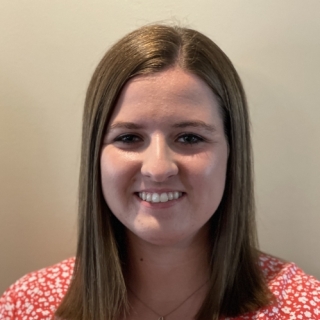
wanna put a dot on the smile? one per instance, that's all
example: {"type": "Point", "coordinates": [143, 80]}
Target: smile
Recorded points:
{"type": "Point", "coordinates": [159, 197]}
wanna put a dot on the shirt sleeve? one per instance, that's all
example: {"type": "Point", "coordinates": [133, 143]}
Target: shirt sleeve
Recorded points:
{"type": "Point", "coordinates": [37, 295]}
{"type": "Point", "coordinates": [7, 305]}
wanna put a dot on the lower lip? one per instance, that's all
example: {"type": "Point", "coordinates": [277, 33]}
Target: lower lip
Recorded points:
{"type": "Point", "coordinates": [160, 205]}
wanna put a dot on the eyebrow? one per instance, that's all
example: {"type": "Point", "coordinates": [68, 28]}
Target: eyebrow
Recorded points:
{"type": "Point", "coordinates": [125, 125]}
{"type": "Point", "coordinates": [195, 124]}
{"type": "Point", "coordinates": [183, 124]}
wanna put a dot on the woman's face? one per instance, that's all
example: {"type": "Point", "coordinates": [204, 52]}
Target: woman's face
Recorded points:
{"type": "Point", "coordinates": [164, 157]}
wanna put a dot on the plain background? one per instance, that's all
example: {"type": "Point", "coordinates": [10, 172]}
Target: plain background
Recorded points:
{"type": "Point", "coordinates": [48, 51]}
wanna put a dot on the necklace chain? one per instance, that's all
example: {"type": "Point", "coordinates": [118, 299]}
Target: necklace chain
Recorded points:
{"type": "Point", "coordinates": [163, 317]}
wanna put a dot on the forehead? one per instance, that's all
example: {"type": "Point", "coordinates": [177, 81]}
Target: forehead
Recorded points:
{"type": "Point", "coordinates": [165, 95]}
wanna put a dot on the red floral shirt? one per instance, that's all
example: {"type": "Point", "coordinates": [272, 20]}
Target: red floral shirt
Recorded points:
{"type": "Point", "coordinates": [37, 295]}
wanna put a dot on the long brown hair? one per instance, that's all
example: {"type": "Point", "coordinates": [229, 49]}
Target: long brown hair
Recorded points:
{"type": "Point", "coordinates": [98, 290]}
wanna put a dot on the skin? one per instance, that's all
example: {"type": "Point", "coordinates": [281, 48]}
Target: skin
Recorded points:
{"type": "Point", "coordinates": [166, 134]}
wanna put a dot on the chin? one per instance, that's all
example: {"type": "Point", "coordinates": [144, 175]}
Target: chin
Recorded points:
{"type": "Point", "coordinates": [166, 239]}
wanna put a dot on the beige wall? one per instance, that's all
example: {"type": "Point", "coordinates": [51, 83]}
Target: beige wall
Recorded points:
{"type": "Point", "coordinates": [48, 50]}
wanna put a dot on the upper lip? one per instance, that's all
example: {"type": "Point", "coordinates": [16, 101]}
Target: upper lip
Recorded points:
{"type": "Point", "coordinates": [163, 190]}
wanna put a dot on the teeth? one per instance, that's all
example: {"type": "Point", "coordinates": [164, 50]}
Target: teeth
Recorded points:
{"type": "Point", "coordinates": [163, 197]}
{"type": "Point", "coordinates": [149, 197]}
{"type": "Point", "coordinates": [155, 197]}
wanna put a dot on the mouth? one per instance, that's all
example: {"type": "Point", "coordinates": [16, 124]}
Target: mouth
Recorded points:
{"type": "Point", "coordinates": [155, 197]}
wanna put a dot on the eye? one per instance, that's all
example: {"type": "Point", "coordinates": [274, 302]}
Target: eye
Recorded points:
{"type": "Point", "coordinates": [128, 138]}
{"type": "Point", "coordinates": [189, 138]}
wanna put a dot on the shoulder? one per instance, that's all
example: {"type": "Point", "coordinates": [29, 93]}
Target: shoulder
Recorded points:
{"type": "Point", "coordinates": [296, 294]}
{"type": "Point", "coordinates": [37, 294]}
{"type": "Point", "coordinates": [281, 274]}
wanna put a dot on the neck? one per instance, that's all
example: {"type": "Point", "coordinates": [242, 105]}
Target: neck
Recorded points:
{"type": "Point", "coordinates": [164, 276]}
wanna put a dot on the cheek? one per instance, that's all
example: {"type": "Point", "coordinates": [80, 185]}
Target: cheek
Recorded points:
{"type": "Point", "coordinates": [207, 180]}
{"type": "Point", "coordinates": [117, 173]}
{"type": "Point", "coordinates": [110, 176]}
{"type": "Point", "coordinates": [209, 169]}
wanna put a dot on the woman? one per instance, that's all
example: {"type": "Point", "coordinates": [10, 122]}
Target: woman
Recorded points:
{"type": "Point", "coordinates": [166, 228]}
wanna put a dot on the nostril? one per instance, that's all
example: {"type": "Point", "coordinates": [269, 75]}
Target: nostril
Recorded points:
{"type": "Point", "coordinates": [159, 171]}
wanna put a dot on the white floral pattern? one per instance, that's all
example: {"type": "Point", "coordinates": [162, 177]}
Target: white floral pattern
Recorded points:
{"type": "Point", "coordinates": [37, 295]}
{"type": "Point", "coordinates": [297, 295]}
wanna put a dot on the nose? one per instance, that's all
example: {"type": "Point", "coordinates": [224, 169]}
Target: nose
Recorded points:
{"type": "Point", "coordinates": [158, 160]}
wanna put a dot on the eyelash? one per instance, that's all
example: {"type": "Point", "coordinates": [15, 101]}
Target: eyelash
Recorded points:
{"type": "Point", "coordinates": [195, 138]}
{"type": "Point", "coordinates": [132, 138]}
{"type": "Point", "coordinates": [125, 138]}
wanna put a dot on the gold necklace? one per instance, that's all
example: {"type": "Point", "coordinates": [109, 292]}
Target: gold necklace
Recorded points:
{"type": "Point", "coordinates": [172, 311]}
